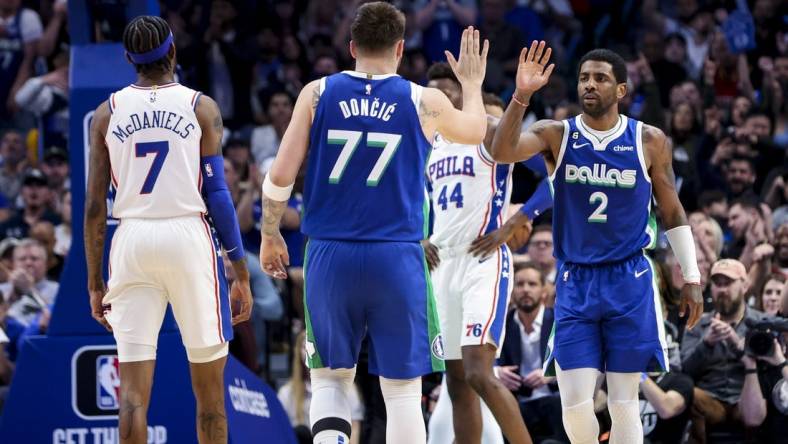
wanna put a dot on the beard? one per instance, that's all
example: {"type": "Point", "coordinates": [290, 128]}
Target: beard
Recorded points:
{"type": "Point", "coordinates": [527, 304]}
{"type": "Point", "coordinates": [728, 306]}
{"type": "Point", "coordinates": [596, 109]}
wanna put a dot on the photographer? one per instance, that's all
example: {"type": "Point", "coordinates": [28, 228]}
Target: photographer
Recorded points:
{"type": "Point", "coordinates": [711, 354]}
{"type": "Point", "coordinates": [764, 397]}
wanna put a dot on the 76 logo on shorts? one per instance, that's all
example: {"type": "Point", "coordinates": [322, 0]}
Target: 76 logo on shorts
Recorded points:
{"type": "Point", "coordinates": [474, 330]}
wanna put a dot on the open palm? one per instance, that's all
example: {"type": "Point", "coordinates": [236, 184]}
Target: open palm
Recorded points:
{"type": "Point", "coordinates": [531, 71]}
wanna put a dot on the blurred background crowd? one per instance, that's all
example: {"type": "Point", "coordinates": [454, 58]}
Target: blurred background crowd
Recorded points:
{"type": "Point", "coordinates": [712, 74]}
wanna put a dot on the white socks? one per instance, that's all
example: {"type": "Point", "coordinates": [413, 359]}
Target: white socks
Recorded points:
{"type": "Point", "coordinates": [329, 410]}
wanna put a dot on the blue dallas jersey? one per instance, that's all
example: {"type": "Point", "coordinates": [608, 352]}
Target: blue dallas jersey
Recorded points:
{"type": "Point", "coordinates": [602, 194]}
{"type": "Point", "coordinates": [367, 156]}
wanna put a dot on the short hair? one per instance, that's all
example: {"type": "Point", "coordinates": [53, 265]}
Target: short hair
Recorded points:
{"type": "Point", "coordinates": [442, 70]}
{"type": "Point", "coordinates": [737, 158]}
{"type": "Point", "coordinates": [377, 27]}
{"type": "Point", "coordinates": [277, 92]}
{"type": "Point", "coordinates": [709, 197]}
{"type": "Point", "coordinates": [610, 57]}
{"type": "Point", "coordinates": [143, 34]}
{"type": "Point", "coordinates": [748, 202]}
{"type": "Point", "coordinates": [491, 99]}
{"type": "Point", "coordinates": [237, 142]}
{"type": "Point", "coordinates": [519, 266]}
{"type": "Point", "coordinates": [29, 242]}
{"type": "Point", "coordinates": [760, 112]}
{"type": "Point", "coordinates": [542, 228]}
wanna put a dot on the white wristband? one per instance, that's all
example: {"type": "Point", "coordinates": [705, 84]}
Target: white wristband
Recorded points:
{"type": "Point", "coordinates": [275, 192]}
{"type": "Point", "coordinates": [683, 245]}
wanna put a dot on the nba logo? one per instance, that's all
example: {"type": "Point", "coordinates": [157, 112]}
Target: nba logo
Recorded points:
{"type": "Point", "coordinates": [107, 382]}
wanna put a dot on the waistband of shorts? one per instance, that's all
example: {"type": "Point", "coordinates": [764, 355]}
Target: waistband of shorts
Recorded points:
{"type": "Point", "coordinates": [638, 255]}
{"type": "Point", "coordinates": [153, 220]}
{"type": "Point", "coordinates": [454, 250]}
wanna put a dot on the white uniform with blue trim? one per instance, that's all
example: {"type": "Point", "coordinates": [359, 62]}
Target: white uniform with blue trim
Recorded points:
{"type": "Point", "coordinates": [165, 249]}
{"type": "Point", "coordinates": [470, 196]}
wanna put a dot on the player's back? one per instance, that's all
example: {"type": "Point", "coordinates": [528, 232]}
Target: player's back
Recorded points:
{"type": "Point", "coordinates": [602, 194]}
{"type": "Point", "coordinates": [367, 154]}
{"type": "Point", "coordinates": [470, 192]}
{"type": "Point", "coordinates": [154, 147]}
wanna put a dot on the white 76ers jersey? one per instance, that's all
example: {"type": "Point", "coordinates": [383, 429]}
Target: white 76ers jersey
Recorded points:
{"type": "Point", "coordinates": [470, 192]}
{"type": "Point", "coordinates": [154, 149]}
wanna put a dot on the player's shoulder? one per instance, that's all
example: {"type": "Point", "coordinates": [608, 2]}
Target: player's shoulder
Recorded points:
{"type": "Point", "coordinates": [101, 115]}
{"type": "Point", "coordinates": [652, 136]}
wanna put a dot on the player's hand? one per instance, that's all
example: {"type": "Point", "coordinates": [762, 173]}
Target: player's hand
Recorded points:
{"type": "Point", "coordinates": [96, 304]}
{"type": "Point", "coordinates": [509, 377]}
{"type": "Point", "coordinates": [431, 254]}
{"type": "Point", "coordinates": [531, 72]}
{"type": "Point", "coordinates": [471, 65]}
{"type": "Point", "coordinates": [691, 304]}
{"type": "Point", "coordinates": [273, 255]}
{"type": "Point", "coordinates": [486, 245]}
{"type": "Point", "coordinates": [241, 301]}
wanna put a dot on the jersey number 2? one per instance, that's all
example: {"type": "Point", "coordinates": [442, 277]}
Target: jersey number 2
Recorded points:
{"type": "Point", "coordinates": [349, 141]}
{"type": "Point", "coordinates": [598, 216]}
{"type": "Point", "coordinates": [160, 149]}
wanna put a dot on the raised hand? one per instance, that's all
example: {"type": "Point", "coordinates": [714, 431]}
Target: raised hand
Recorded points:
{"type": "Point", "coordinates": [471, 65]}
{"type": "Point", "coordinates": [531, 71]}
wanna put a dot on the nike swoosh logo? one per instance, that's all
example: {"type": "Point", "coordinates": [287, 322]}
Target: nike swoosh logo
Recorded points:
{"type": "Point", "coordinates": [576, 146]}
{"type": "Point", "coordinates": [640, 273]}
{"type": "Point", "coordinates": [484, 259]}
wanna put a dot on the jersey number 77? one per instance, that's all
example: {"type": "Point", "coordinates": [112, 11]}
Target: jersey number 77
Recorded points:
{"type": "Point", "coordinates": [349, 141]}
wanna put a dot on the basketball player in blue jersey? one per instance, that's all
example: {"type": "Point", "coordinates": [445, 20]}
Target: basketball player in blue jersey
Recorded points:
{"type": "Point", "coordinates": [159, 144]}
{"type": "Point", "coordinates": [368, 133]}
{"type": "Point", "coordinates": [604, 167]}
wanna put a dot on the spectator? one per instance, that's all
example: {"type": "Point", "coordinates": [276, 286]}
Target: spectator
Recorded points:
{"type": "Point", "coordinates": [714, 204]}
{"type": "Point", "coordinates": [7, 246]}
{"type": "Point", "coordinates": [781, 253]}
{"type": "Point", "coordinates": [36, 198]}
{"type": "Point", "coordinates": [694, 24]}
{"type": "Point", "coordinates": [46, 97]}
{"type": "Point", "coordinates": [711, 353]}
{"type": "Point", "coordinates": [540, 248]}
{"type": "Point", "coordinates": [441, 23]}
{"type": "Point", "coordinates": [7, 367]}
{"type": "Point", "coordinates": [740, 177]}
{"type": "Point", "coordinates": [506, 42]}
{"type": "Point", "coordinates": [528, 327]}
{"type": "Point", "coordinates": [685, 135]}
{"type": "Point", "coordinates": [14, 162]}
{"type": "Point", "coordinates": [747, 227]}
{"type": "Point", "coordinates": [671, 62]}
{"type": "Point", "coordinates": [296, 396]}
{"type": "Point", "coordinates": [44, 233]}
{"type": "Point", "coordinates": [771, 298]}
{"type": "Point", "coordinates": [764, 399]}
{"type": "Point", "coordinates": [28, 291]}
{"type": "Point", "coordinates": [55, 168]}
{"type": "Point", "coordinates": [20, 30]}
{"type": "Point", "coordinates": [266, 138]}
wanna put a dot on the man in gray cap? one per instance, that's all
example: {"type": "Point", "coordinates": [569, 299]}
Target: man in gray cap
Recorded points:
{"type": "Point", "coordinates": [711, 353]}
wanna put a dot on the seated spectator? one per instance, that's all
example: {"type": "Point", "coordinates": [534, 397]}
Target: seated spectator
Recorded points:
{"type": "Point", "coordinates": [56, 169]}
{"type": "Point", "coordinates": [28, 290]}
{"type": "Point", "coordinates": [13, 155]}
{"type": "Point", "coordinates": [744, 218]}
{"type": "Point", "coordinates": [265, 139]}
{"type": "Point", "coordinates": [6, 365]}
{"type": "Point", "coordinates": [296, 396]}
{"type": "Point", "coordinates": [7, 246]}
{"type": "Point", "coordinates": [528, 327]}
{"type": "Point", "coordinates": [711, 353]}
{"type": "Point", "coordinates": [764, 399]}
{"type": "Point", "coordinates": [44, 233]}
{"type": "Point", "coordinates": [540, 249]}
{"type": "Point", "coordinates": [771, 298]}
{"type": "Point", "coordinates": [36, 198]}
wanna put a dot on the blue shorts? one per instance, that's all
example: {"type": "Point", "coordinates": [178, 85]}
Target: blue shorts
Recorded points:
{"type": "Point", "coordinates": [379, 289]}
{"type": "Point", "coordinates": [608, 317]}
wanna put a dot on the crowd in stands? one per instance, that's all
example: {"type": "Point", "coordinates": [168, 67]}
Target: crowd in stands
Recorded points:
{"type": "Point", "coordinates": [713, 74]}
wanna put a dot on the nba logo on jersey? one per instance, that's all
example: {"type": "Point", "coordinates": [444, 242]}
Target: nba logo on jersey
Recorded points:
{"type": "Point", "coordinates": [107, 382]}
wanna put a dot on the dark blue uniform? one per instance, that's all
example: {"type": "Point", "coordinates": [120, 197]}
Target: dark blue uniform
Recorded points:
{"type": "Point", "coordinates": [607, 310]}
{"type": "Point", "coordinates": [364, 214]}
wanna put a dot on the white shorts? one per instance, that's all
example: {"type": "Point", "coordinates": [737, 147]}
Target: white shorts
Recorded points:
{"type": "Point", "coordinates": [176, 260]}
{"type": "Point", "coordinates": [472, 296]}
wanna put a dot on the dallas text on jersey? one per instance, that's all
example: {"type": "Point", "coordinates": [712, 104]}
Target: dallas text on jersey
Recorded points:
{"type": "Point", "coordinates": [154, 119]}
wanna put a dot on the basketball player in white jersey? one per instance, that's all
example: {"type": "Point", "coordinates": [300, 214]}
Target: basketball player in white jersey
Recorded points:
{"type": "Point", "coordinates": [159, 144]}
{"type": "Point", "coordinates": [470, 196]}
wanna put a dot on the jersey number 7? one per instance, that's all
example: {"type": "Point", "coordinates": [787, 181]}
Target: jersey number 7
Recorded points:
{"type": "Point", "coordinates": [160, 149]}
{"type": "Point", "coordinates": [349, 141]}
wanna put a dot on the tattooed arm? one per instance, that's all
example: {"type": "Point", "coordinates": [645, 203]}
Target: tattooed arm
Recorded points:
{"type": "Point", "coordinates": [96, 211]}
{"type": "Point", "coordinates": [659, 158]}
{"type": "Point", "coordinates": [466, 126]}
{"type": "Point", "coordinates": [659, 152]}
{"type": "Point", "coordinates": [292, 151]}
